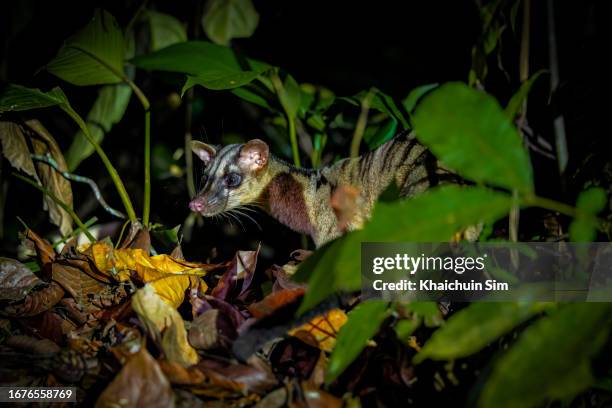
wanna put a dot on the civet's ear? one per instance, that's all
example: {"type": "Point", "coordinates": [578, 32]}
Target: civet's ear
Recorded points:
{"type": "Point", "coordinates": [254, 155]}
{"type": "Point", "coordinates": [205, 152]}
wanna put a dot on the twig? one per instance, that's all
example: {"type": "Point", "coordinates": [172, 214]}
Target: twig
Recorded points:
{"type": "Point", "coordinates": [81, 179]}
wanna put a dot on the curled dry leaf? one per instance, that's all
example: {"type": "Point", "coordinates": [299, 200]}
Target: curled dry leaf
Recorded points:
{"type": "Point", "coordinates": [79, 285]}
{"type": "Point", "coordinates": [169, 276]}
{"type": "Point", "coordinates": [324, 328]}
{"type": "Point", "coordinates": [16, 280]}
{"type": "Point", "coordinates": [44, 250]}
{"type": "Point", "coordinates": [140, 383]}
{"type": "Point", "coordinates": [15, 148]}
{"type": "Point", "coordinates": [36, 302]}
{"type": "Point", "coordinates": [242, 268]}
{"type": "Point", "coordinates": [165, 325]}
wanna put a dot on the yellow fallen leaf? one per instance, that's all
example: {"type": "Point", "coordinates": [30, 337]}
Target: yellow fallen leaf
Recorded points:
{"type": "Point", "coordinates": [165, 325]}
{"type": "Point", "coordinates": [169, 276]}
{"type": "Point", "coordinates": [324, 328]}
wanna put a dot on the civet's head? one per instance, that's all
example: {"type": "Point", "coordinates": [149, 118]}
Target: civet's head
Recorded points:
{"type": "Point", "coordinates": [232, 175]}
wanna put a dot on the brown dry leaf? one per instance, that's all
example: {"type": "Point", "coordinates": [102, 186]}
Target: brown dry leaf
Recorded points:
{"type": "Point", "coordinates": [15, 148]}
{"type": "Point", "coordinates": [43, 143]}
{"type": "Point", "coordinates": [16, 280]}
{"type": "Point", "coordinates": [169, 276]}
{"type": "Point", "coordinates": [36, 302]}
{"type": "Point", "coordinates": [274, 301]}
{"type": "Point", "coordinates": [324, 328]}
{"type": "Point", "coordinates": [79, 285]}
{"type": "Point", "coordinates": [140, 383]}
{"type": "Point", "coordinates": [44, 251]}
{"type": "Point", "coordinates": [165, 325]}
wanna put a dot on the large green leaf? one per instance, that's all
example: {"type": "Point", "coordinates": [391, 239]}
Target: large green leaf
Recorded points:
{"type": "Point", "coordinates": [551, 359]}
{"type": "Point", "coordinates": [362, 324]}
{"type": "Point", "coordinates": [165, 30]}
{"type": "Point", "coordinates": [94, 55]}
{"type": "Point", "coordinates": [224, 20]}
{"type": "Point", "coordinates": [471, 329]}
{"type": "Point", "coordinates": [209, 65]}
{"type": "Point", "coordinates": [469, 131]}
{"type": "Point", "coordinates": [107, 110]}
{"type": "Point", "coordinates": [432, 217]}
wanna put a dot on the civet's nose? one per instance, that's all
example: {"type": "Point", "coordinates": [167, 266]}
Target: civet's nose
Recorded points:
{"type": "Point", "coordinates": [196, 205]}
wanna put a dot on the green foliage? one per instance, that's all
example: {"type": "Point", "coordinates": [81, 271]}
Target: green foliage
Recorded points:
{"type": "Point", "coordinates": [555, 352]}
{"type": "Point", "coordinates": [93, 55]}
{"type": "Point", "coordinates": [165, 30]}
{"type": "Point", "coordinates": [362, 324]}
{"type": "Point", "coordinates": [225, 20]}
{"type": "Point", "coordinates": [473, 328]}
{"type": "Point", "coordinates": [209, 65]}
{"type": "Point", "coordinates": [431, 217]}
{"type": "Point", "coordinates": [462, 126]}
{"type": "Point", "coordinates": [584, 227]}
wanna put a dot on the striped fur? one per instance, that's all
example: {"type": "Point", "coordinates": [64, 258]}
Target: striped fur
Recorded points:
{"type": "Point", "coordinates": [300, 198]}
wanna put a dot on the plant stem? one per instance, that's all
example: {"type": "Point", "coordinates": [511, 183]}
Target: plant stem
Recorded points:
{"type": "Point", "coordinates": [125, 198]}
{"type": "Point", "coordinates": [362, 121]}
{"type": "Point", "coordinates": [293, 138]}
{"type": "Point", "coordinates": [188, 138]}
{"type": "Point", "coordinates": [57, 201]}
{"type": "Point", "coordinates": [147, 150]}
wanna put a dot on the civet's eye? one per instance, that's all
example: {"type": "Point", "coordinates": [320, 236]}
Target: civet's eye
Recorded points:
{"type": "Point", "coordinates": [233, 180]}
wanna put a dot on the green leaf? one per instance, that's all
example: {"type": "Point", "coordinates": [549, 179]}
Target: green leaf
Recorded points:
{"type": "Point", "coordinates": [515, 103]}
{"type": "Point", "coordinates": [107, 110]}
{"type": "Point", "coordinates": [209, 65]}
{"type": "Point", "coordinates": [415, 96]}
{"type": "Point", "coordinates": [224, 20]}
{"type": "Point", "coordinates": [473, 328]}
{"type": "Point", "coordinates": [16, 98]}
{"type": "Point", "coordinates": [431, 217]}
{"type": "Point", "coordinates": [94, 55]}
{"type": "Point", "coordinates": [556, 352]}
{"type": "Point", "coordinates": [362, 324]}
{"type": "Point", "coordinates": [591, 202]}
{"type": "Point", "coordinates": [290, 95]}
{"type": "Point", "coordinates": [165, 30]}
{"type": "Point", "coordinates": [377, 135]}
{"type": "Point", "coordinates": [470, 133]}
{"type": "Point", "coordinates": [253, 96]}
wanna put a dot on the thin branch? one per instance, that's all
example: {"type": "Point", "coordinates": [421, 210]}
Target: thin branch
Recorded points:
{"type": "Point", "coordinates": [81, 179]}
